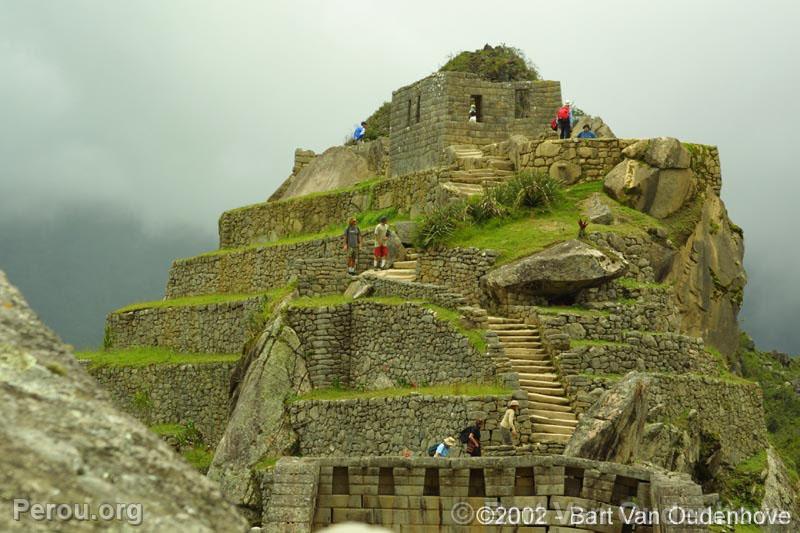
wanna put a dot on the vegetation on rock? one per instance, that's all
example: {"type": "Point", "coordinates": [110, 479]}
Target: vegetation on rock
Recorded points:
{"type": "Point", "coordinates": [494, 63]}
{"type": "Point", "coordinates": [378, 122]}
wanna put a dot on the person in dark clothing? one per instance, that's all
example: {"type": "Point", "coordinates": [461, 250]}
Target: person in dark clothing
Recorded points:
{"type": "Point", "coordinates": [474, 439]}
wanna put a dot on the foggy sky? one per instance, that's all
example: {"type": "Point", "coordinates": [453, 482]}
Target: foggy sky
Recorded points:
{"type": "Point", "coordinates": [171, 112]}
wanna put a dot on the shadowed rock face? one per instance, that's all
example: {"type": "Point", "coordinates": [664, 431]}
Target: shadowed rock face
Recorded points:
{"type": "Point", "coordinates": [612, 428]}
{"type": "Point", "coordinates": [562, 269]}
{"type": "Point", "coordinates": [62, 441]}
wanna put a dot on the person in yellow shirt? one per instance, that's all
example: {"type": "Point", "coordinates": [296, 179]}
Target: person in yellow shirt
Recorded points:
{"type": "Point", "coordinates": [508, 425]}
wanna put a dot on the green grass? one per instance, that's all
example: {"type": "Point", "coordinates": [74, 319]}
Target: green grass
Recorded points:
{"type": "Point", "coordinates": [365, 185]}
{"type": "Point", "coordinates": [321, 301]}
{"type": "Point", "coordinates": [199, 457]}
{"type": "Point", "coordinates": [630, 283]}
{"type": "Point", "coordinates": [573, 310]}
{"type": "Point", "coordinates": [205, 299]}
{"type": "Point", "coordinates": [147, 355]}
{"type": "Point", "coordinates": [518, 237]}
{"type": "Point", "coordinates": [452, 389]}
{"type": "Point", "coordinates": [168, 430]}
{"type": "Point", "coordinates": [590, 342]}
{"type": "Point", "coordinates": [265, 463]}
{"type": "Point", "coordinates": [743, 486]}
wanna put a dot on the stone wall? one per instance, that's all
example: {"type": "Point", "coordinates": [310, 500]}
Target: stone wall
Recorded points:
{"type": "Point", "coordinates": [461, 269]}
{"type": "Point", "coordinates": [730, 411]}
{"type": "Point", "coordinates": [411, 290]}
{"type": "Point", "coordinates": [270, 221]}
{"type": "Point", "coordinates": [368, 344]}
{"type": "Point", "coordinates": [423, 493]}
{"type": "Point", "coordinates": [324, 275]}
{"type": "Point", "coordinates": [578, 160]}
{"type": "Point", "coordinates": [171, 394]}
{"type": "Point", "coordinates": [387, 426]}
{"type": "Point", "coordinates": [432, 113]}
{"type": "Point", "coordinates": [211, 328]}
{"type": "Point", "coordinates": [249, 270]}
{"type": "Point", "coordinates": [647, 352]}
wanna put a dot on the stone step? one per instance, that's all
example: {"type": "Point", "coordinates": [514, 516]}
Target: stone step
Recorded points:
{"type": "Point", "coordinates": [541, 407]}
{"type": "Point", "coordinates": [501, 164]}
{"type": "Point", "coordinates": [553, 421]}
{"type": "Point", "coordinates": [548, 399]}
{"type": "Point", "coordinates": [525, 351]}
{"type": "Point", "coordinates": [550, 437]}
{"type": "Point", "coordinates": [503, 320]}
{"type": "Point", "coordinates": [473, 180]}
{"type": "Point", "coordinates": [507, 331]}
{"type": "Point", "coordinates": [549, 428]}
{"type": "Point", "coordinates": [540, 383]}
{"type": "Point", "coordinates": [514, 344]}
{"type": "Point", "coordinates": [464, 189]}
{"type": "Point", "coordinates": [412, 265]}
{"type": "Point", "coordinates": [544, 376]}
{"type": "Point", "coordinates": [531, 359]}
{"type": "Point", "coordinates": [532, 369]}
{"type": "Point", "coordinates": [545, 391]}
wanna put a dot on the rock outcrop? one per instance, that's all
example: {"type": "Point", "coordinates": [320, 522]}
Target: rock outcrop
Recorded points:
{"type": "Point", "coordinates": [709, 278]}
{"type": "Point", "coordinates": [561, 269]}
{"type": "Point", "coordinates": [335, 168]}
{"type": "Point", "coordinates": [598, 126]}
{"type": "Point", "coordinates": [259, 427]}
{"type": "Point", "coordinates": [597, 211]}
{"type": "Point", "coordinates": [611, 430]}
{"type": "Point", "coordinates": [778, 492]}
{"type": "Point", "coordinates": [655, 177]}
{"type": "Point", "coordinates": [669, 447]}
{"type": "Point", "coordinates": [61, 441]}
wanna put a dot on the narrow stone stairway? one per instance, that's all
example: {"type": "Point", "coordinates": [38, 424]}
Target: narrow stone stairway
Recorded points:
{"type": "Point", "coordinates": [405, 270]}
{"type": "Point", "coordinates": [551, 414]}
{"type": "Point", "coordinates": [472, 170]}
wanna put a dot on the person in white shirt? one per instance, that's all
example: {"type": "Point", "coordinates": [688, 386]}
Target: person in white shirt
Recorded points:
{"type": "Point", "coordinates": [381, 251]}
{"type": "Point", "coordinates": [508, 425]}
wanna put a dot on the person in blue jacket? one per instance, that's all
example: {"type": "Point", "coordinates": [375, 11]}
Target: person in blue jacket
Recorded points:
{"type": "Point", "coordinates": [587, 133]}
{"type": "Point", "coordinates": [361, 130]}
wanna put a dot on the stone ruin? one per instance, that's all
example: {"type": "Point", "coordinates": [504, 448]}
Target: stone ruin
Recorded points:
{"type": "Point", "coordinates": [304, 436]}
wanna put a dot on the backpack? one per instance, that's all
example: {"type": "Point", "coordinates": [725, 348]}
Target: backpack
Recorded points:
{"type": "Point", "coordinates": [464, 435]}
{"type": "Point", "coordinates": [563, 113]}
{"type": "Point", "coordinates": [432, 449]}
{"type": "Point", "coordinates": [554, 124]}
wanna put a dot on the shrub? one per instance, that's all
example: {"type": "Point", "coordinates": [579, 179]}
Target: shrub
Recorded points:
{"type": "Point", "coordinates": [441, 224]}
{"type": "Point", "coordinates": [498, 63]}
{"type": "Point", "coordinates": [485, 207]}
{"type": "Point", "coordinates": [533, 190]}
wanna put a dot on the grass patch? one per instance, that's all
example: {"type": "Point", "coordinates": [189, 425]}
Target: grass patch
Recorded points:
{"type": "Point", "coordinates": [328, 300]}
{"type": "Point", "coordinates": [535, 230]}
{"type": "Point", "coordinates": [451, 389]}
{"type": "Point", "coordinates": [743, 486]}
{"type": "Point", "coordinates": [147, 355]}
{"type": "Point", "coordinates": [206, 299]}
{"type": "Point", "coordinates": [589, 342]}
{"type": "Point", "coordinates": [199, 457]}
{"type": "Point", "coordinates": [630, 283]}
{"type": "Point", "coordinates": [266, 462]}
{"type": "Point", "coordinates": [361, 186]}
{"type": "Point", "coordinates": [572, 310]}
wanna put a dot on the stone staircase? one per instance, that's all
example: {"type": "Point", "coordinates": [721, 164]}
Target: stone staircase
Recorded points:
{"type": "Point", "coordinates": [551, 413]}
{"type": "Point", "coordinates": [405, 270]}
{"type": "Point", "coordinates": [472, 171]}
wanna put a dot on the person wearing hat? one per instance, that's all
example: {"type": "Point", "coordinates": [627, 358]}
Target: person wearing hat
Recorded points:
{"type": "Point", "coordinates": [508, 425]}
{"type": "Point", "coordinates": [587, 133]}
{"type": "Point", "coordinates": [443, 450]}
{"type": "Point", "coordinates": [352, 242]}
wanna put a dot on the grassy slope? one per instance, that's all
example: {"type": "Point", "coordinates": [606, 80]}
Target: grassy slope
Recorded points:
{"type": "Point", "coordinates": [515, 238]}
{"type": "Point", "coordinates": [146, 355]}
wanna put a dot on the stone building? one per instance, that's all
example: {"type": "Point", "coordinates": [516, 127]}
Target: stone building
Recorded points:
{"type": "Point", "coordinates": [433, 113]}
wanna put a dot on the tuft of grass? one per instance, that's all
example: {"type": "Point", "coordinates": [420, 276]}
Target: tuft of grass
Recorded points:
{"type": "Point", "coordinates": [206, 299]}
{"type": "Point", "coordinates": [572, 310]}
{"type": "Point", "coordinates": [148, 355]}
{"type": "Point", "coordinates": [265, 463]}
{"type": "Point", "coordinates": [451, 389]}
{"type": "Point", "coordinates": [199, 457]}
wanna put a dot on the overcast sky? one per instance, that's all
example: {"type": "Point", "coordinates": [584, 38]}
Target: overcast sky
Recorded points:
{"type": "Point", "coordinates": [164, 114]}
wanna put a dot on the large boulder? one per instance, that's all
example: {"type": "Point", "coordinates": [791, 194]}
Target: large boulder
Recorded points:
{"type": "Point", "coordinates": [598, 126]}
{"type": "Point", "coordinates": [259, 426]}
{"type": "Point", "coordinates": [61, 440]}
{"type": "Point", "coordinates": [561, 269]}
{"type": "Point", "coordinates": [611, 430]}
{"type": "Point", "coordinates": [708, 277]}
{"type": "Point", "coordinates": [658, 192]}
{"type": "Point", "coordinates": [661, 152]}
{"type": "Point", "coordinates": [597, 211]}
{"type": "Point", "coordinates": [779, 493]}
{"type": "Point", "coordinates": [669, 447]}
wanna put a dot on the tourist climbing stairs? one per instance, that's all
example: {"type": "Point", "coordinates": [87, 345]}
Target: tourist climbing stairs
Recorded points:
{"type": "Point", "coordinates": [472, 171]}
{"type": "Point", "coordinates": [550, 410]}
{"type": "Point", "coordinates": [405, 270]}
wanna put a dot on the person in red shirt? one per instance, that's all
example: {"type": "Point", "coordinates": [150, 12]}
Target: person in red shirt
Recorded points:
{"type": "Point", "coordinates": [564, 117]}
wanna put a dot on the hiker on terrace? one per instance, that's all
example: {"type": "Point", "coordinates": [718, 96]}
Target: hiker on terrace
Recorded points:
{"type": "Point", "coordinates": [352, 243]}
{"type": "Point", "coordinates": [508, 425]}
{"type": "Point", "coordinates": [361, 130]}
{"type": "Point", "coordinates": [587, 133]}
{"type": "Point", "coordinates": [474, 439]}
{"type": "Point", "coordinates": [473, 113]}
{"type": "Point", "coordinates": [443, 450]}
{"type": "Point", "coordinates": [381, 251]}
{"type": "Point", "coordinates": [564, 117]}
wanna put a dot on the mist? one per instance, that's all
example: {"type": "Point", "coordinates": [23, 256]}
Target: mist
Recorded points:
{"type": "Point", "coordinates": [134, 125]}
